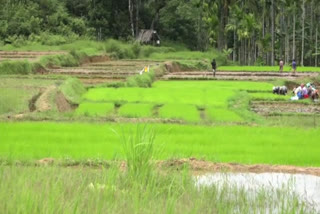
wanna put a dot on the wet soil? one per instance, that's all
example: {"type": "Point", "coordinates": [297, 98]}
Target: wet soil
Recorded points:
{"type": "Point", "coordinates": [269, 108]}
{"type": "Point", "coordinates": [200, 167]}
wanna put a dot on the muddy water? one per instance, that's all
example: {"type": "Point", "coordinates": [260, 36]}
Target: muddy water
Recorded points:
{"type": "Point", "coordinates": [305, 187]}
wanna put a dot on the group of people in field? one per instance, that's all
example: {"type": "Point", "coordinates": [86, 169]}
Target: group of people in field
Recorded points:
{"type": "Point", "coordinates": [281, 64]}
{"type": "Point", "coordinates": [305, 91]}
{"type": "Point", "coordinates": [294, 66]}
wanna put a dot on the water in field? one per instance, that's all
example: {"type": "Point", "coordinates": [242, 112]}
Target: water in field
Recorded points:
{"type": "Point", "coordinates": [277, 186]}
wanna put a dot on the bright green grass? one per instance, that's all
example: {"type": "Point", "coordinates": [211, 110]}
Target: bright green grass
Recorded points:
{"type": "Point", "coordinates": [267, 68]}
{"type": "Point", "coordinates": [95, 109]}
{"type": "Point", "coordinates": [188, 113]}
{"type": "Point", "coordinates": [183, 92]}
{"type": "Point", "coordinates": [52, 190]}
{"type": "Point", "coordinates": [269, 96]}
{"type": "Point", "coordinates": [175, 95]}
{"type": "Point", "coordinates": [269, 145]}
{"type": "Point", "coordinates": [136, 110]}
{"type": "Point", "coordinates": [224, 115]}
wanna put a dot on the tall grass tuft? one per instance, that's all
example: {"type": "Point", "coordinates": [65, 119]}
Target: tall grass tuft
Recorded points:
{"type": "Point", "coordinates": [138, 148]}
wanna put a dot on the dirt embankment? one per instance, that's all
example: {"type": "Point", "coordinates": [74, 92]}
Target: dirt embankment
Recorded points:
{"type": "Point", "coordinates": [268, 108]}
{"type": "Point", "coordinates": [233, 75]}
{"type": "Point", "coordinates": [200, 167]}
{"type": "Point", "coordinates": [196, 166]}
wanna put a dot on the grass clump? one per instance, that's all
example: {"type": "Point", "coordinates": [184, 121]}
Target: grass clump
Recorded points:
{"type": "Point", "coordinates": [144, 80]}
{"type": "Point", "coordinates": [136, 110]}
{"type": "Point", "coordinates": [180, 111]}
{"type": "Point", "coordinates": [15, 67]}
{"type": "Point", "coordinates": [139, 150]}
{"type": "Point", "coordinates": [82, 190]}
{"type": "Point", "coordinates": [95, 109]}
{"type": "Point", "coordinates": [73, 90]}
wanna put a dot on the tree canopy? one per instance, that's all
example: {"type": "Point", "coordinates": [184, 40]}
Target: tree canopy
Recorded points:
{"type": "Point", "coordinates": [252, 31]}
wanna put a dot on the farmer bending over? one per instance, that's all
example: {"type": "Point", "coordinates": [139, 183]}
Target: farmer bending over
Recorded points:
{"type": "Point", "coordinates": [214, 67]}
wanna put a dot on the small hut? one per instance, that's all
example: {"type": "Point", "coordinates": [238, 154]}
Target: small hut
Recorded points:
{"type": "Point", "coordinates": [149, 37]}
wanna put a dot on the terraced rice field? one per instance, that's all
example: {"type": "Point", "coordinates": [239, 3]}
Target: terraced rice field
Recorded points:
{"type": "Point", "coordinates": [175, 100]}
{"type": "Point", "coordinates": [94, 73]}
{"type": "Point", "coordinates": [26, 55]}
{"type": "Point", "coordinates": [237, 75]}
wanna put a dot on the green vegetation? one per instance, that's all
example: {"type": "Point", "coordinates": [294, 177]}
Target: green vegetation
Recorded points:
{"type": "Point", "coordinates": [266, 68]}
{"type": "Point", "coordinates": [95, 109]}
{"type": "Point", "coordinates": [15, 67]}
{"type": "Point", "coordinates": [236, 144]}
{"type": "Point", "coordinates": [224, 115]}
{"type": "Point", "coordinates": [73, 90]}
{"type": "Point", "coordinates": [145, 80]}
{"type": "Point", "coordinates": [180, 111]}
{"type": "Point", "coordinates": [15, 100]}
{"type": "Point", "coordinates": [136, 110]}
{"type": "Point", "coordinates": [180, 99]}
{"type": "Point", "coordinates": [84, 190]}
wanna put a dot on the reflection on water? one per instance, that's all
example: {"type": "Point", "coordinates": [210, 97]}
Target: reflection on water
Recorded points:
{"type": "Point", "coordinates": [305, 187]}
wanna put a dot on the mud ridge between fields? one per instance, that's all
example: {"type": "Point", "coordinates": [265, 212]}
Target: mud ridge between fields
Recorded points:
{"type": "Point", "coordinates": [201, 166]}
{"type": "Point", "coordinates": [196, 166]}
{"type": "Point", "coordinates": [284, 107]}
{"type": "Point", "coordinates": [43, 103]}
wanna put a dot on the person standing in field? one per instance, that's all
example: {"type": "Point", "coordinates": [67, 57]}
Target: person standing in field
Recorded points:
{"type": "Point", "coordinates": [294, 66]}
{"type": "Point", "coordinates": [281, 63]}
{"type": "Point", "coordinates": [214, 67]}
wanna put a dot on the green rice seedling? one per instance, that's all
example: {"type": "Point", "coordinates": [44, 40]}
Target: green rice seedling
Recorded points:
{"type": "Point", "coordinates": [241, 144]}
{"type": "Point", "coordinates": [221, 114]}
{"type": "Point", "coordinates": [269, 96]}
{"type": "Point", "coordinates": [136, 110]}
{"type": "Point", "coordinates": [180, 111]}
{"type": "Point", "coordinates": [95, 109]}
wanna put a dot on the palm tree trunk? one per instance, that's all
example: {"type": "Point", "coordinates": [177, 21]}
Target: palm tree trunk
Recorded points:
{"type": "Point", "coordinates": [272, 32]}
{"type": "Point", "coordinates": [294, 36]}
{"type": "Point", "coordinates": [316, 58]}
{"type": "Point", "coordinates": [131, 17]}
{"type": "Point", "coordinates": [303, 22]}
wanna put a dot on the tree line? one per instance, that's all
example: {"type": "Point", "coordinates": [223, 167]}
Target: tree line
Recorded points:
{"type": "Point", "coordinates": [250, 31]}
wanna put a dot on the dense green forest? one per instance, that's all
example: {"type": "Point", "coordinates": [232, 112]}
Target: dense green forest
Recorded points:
{"type": "Point", "coordinates": [251, 31]}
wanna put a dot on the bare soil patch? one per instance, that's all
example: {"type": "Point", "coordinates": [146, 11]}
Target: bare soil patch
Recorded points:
{"type": "Point", "coordinates": [62, 104]}
{"type": "Point", "coordinates": [201, 166]}
{"type": "Point", "coordinates": [43, 103]}
{"type": "Point", "coordinates": [268, 108]}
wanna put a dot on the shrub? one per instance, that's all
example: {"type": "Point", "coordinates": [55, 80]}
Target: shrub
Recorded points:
{"type": "Point", "coordinates": [145, 80]}
{"type": "Point", "coordinates": [73, 89]}
{"type": "Point", "coordinates": [15, 67]}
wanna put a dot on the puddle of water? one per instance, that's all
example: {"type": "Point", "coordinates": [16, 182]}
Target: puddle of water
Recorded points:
{"type": "Point", "coordinates": [305, 187]}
